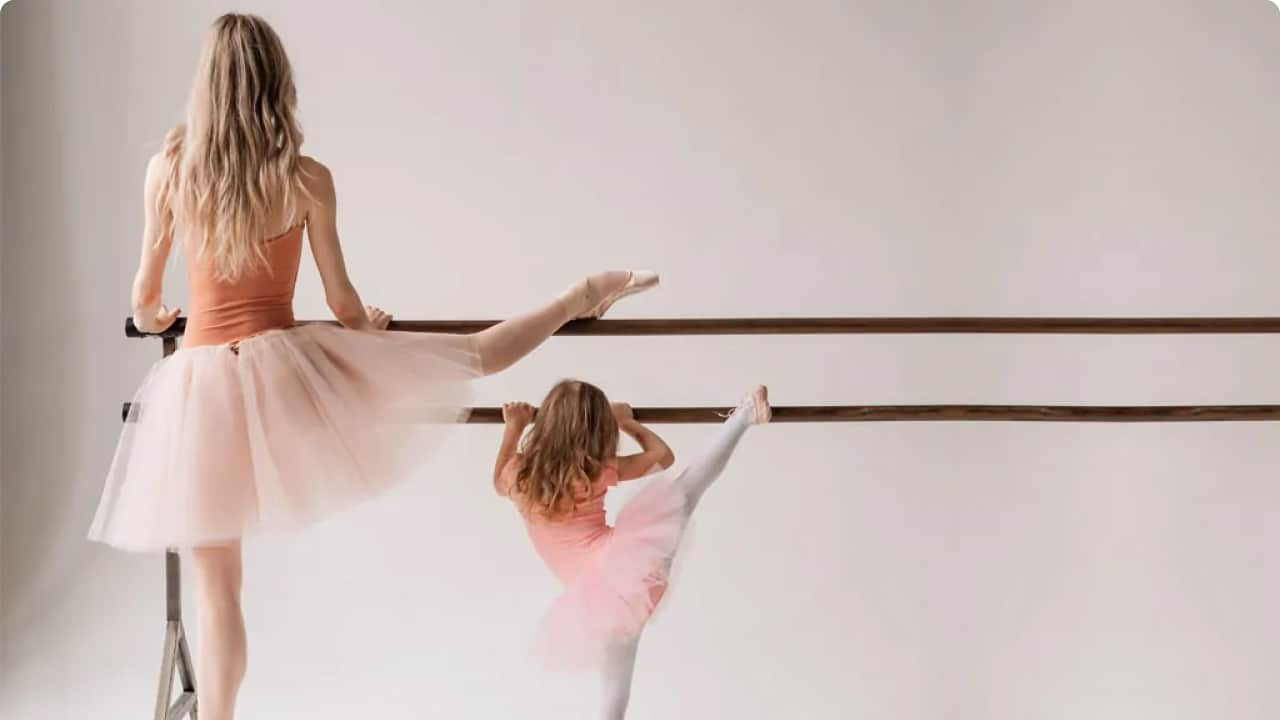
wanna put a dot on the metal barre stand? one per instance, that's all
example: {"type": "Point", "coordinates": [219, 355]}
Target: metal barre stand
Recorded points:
{"type": "Point", "coordinates": [177, 655]}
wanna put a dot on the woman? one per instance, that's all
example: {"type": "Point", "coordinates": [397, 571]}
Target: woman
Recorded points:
{"type": "Point", "coordinates": [257, 423]}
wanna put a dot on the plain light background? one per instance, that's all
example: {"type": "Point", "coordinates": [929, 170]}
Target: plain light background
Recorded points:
{"type": "Point", "coordinates": [1099, 157]}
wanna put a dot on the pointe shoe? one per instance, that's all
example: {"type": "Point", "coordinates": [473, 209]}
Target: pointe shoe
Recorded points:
{"type": "Point", "coordinates": [637, 282]}
{"type": "Point", "coordinates": [758, 404]}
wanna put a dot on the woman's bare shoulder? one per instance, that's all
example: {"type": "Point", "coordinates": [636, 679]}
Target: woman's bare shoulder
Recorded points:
{"type": "Point", "coordinates": [317, 183]}
{"type": "Point", "coordinates": [315, 174]}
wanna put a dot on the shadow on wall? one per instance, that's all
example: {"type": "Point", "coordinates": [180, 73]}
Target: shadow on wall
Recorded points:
{"type": "Point", "coordinates": [56, 265]}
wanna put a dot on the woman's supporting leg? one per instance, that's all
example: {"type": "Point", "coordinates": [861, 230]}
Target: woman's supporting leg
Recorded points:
{"type": "Point", "coordinates": [616, 673]}
{"type": "Point", "coordinates": [501, 345]}
{"type": "Point", "coordinates": [223, 654]}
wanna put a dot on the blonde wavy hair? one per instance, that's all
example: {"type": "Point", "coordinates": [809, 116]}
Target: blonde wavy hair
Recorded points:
{"type": "Point", "coordinates": [234, 166]}
{"type": "Point", "coordinates": [574, 437]}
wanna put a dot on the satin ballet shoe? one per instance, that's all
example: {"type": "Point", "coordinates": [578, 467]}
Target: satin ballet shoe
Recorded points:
{"type": "Point", "coordinates": [638, 281]}
{"type": "Point", "coordinates": [757, 403]}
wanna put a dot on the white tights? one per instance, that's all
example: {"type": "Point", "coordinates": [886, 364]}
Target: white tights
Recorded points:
{"type": "Point", "coordinates": [620, 660]}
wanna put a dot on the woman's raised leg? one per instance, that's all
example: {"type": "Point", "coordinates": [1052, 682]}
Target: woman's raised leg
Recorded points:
{"type": "Point", "coordinates": [501, 345]}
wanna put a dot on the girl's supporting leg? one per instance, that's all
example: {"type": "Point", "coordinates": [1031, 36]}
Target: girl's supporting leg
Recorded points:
{"type": "Point", "coordinates": [223, 654]}
{"type": "Point", "coordinates": [619, 667]}
{"type": "Point", "coordinates": [500, 346]}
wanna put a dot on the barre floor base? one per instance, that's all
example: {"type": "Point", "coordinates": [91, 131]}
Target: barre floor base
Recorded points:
{"type": "Point", "coordinates": [942, 413]}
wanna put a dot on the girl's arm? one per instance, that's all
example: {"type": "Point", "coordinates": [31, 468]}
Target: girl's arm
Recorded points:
{"type": "Point", "coordinates": [149, 313]}
{"type": "Point", "coordinates": [322, 230]}
{"type": "Point", "coordinates": [653, 450]}
{"type": "Point", "coordinates": [516, 416]}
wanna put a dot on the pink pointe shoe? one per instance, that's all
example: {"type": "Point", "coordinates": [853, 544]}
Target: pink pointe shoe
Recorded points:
{"type": "Point", "coordinates": [637, 282]}
{"type": "Point", "coordinates": [757, 403]}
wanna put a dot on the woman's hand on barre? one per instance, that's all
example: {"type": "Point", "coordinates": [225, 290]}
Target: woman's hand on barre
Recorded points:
{"type": "Point", "coordinates": [155, 319]}
{"type": "Point", "coordinates": [379, 319]}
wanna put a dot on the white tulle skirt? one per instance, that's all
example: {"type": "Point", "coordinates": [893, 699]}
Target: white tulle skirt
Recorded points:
{"type": "Point", "coordinates": [278, 432]}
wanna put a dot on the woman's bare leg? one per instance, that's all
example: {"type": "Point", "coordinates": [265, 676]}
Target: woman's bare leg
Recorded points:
{"type": "Point", "coordinates": [223, 654]}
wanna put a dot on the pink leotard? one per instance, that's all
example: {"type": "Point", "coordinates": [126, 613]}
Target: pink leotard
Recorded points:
{"type": "Point", "coordinates": [568, 544]}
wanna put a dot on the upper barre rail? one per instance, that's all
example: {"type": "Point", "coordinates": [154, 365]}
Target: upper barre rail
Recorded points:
{"type": "Point", "coordinates": [849, 326]}
{"type": "Point", "coordinates": [937, 413]}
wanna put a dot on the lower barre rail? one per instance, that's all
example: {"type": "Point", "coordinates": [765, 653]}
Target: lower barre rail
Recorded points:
{"type": "Point", "coordinates": [954, 413]}
{"type": "Point", "coordinates": [934, 413]}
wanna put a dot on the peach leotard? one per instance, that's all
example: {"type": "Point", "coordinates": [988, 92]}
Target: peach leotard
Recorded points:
{"type": "Point", "coordinates": [259, 300]}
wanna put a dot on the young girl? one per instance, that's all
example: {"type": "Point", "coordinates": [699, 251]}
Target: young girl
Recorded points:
{"type": "Point", "coordinates": [613, 576]}
{"type": "Point", "coordinates": [258, 423]}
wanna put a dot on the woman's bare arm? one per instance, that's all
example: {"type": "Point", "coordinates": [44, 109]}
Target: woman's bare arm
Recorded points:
{"type": "Point", "coordinates": [149, 312]}
{"type": "Point", "coordinates": [322, 230]}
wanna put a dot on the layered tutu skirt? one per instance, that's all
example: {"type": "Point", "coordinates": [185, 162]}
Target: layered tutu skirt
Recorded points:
{"type": "Point", "coordinates": [278, 431]}
{"type": "Point", "coordinates": [618, 591]}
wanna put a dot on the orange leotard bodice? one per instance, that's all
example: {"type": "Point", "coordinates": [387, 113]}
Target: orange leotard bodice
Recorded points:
{"type": "Point", "coordinates": [261, 299]}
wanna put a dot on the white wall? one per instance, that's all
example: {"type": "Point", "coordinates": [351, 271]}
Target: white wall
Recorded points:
{"type": "Point", "coordinates": [2, 202]}
{"type": "Point", "coordinates": [872, 158]}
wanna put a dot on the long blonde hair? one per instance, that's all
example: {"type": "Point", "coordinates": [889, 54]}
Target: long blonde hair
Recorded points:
{"type": "Point", "coordinates": [235, 165]}
{"type": "Point", "coordinates": [574, 437]}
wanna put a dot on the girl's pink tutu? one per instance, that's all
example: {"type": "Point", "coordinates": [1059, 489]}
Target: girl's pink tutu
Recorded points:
{"type": "Point", "coordinates": [279, 431]}
{"type": "Point", "coordinates": [613, 598]}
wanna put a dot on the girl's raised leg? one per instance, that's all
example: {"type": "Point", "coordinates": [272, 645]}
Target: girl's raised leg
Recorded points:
{"type": "Point", "coordinates": [695, 479]}
{"type": "Point", "coordinates": [620, 659]}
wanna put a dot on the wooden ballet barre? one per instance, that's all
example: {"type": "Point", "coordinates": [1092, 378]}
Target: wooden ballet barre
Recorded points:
{"type": "Point", "coordinates": [952, 413]}
{"type": "Point", "coordinates": [942, 413]}
{"type": "Point", "coordinates": [849, 326]}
